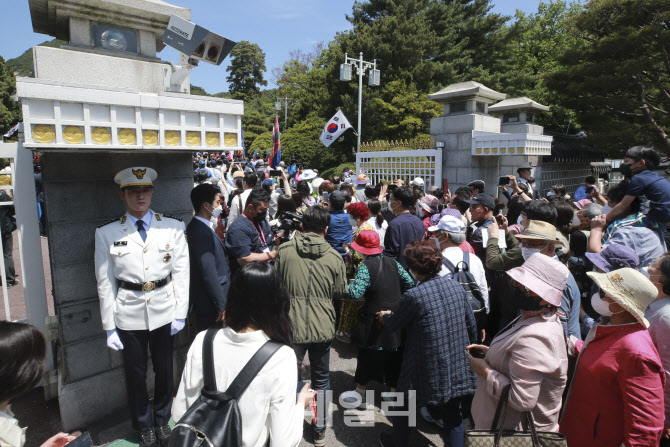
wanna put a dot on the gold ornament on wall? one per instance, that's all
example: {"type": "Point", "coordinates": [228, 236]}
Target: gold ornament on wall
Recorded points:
{"type": "Point", "coordinates": [127, 136]}
{"type": "Point", "coordinates": [43, 133]}
{"type": "Point", "coordinates": [73, 134]}
{"type": "Point", "coordinates": [230, 139]}
{"type": "Point", "coordinates": [212, 139]}
{"type": "Point", "coordinates": [101, 135]}
{"type": "Point", "coordinates": [150, 137]}
{"type": "Point", "coordinates": [172, 138]}
{"type": "Point", "coordinates": [193, 138]}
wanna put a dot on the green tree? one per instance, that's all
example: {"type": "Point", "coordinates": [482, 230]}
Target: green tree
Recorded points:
{"type": "Point", "coordinates": [246, 70]}
{"type": "Point", "coordinates": [262, 143]}
{"type": "Point", "coordinates": [10, 111]}
{"type": "Point", "coordinates": [302, 140]}
{"type": "Point", "coordinates": [619, 80]}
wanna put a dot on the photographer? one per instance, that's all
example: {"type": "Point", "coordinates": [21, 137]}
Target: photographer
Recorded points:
{"type": "Point", "coordinates": [586, 189]}
{"type": "Point", "coordinates": [299, 262]}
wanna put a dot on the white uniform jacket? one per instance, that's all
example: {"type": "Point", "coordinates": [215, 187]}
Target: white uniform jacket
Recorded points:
{"type": "Point", "coordinates": [120, 254]}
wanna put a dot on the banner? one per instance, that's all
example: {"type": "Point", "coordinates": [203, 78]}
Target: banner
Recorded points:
{"type": "Point", "coordinates": [334, 128]}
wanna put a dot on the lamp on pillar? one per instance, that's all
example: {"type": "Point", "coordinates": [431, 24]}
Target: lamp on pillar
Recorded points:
{"type": "Point", "coordinates": [373, 81]}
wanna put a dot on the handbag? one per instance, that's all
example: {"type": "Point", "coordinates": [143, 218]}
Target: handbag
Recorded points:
{"type": "Point", "coordinates": [497, 437]}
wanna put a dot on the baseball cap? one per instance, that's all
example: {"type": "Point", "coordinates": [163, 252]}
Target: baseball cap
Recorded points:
{"type": "Point", "coordinates": [450, 224]}
{"type": "Point", "coordinates": [479, 184]}
{"type": "Point", "coordinates": [483, 199]}
{"type": "Point", "coordinates": [336, 197]}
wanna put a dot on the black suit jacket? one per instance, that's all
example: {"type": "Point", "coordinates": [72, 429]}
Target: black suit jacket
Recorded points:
{"type": "Point", "coordinates": [210, 275]}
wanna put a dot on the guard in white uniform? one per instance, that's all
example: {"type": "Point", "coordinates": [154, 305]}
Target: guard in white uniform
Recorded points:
{"type": "Point", "coordinates": [142, 269]}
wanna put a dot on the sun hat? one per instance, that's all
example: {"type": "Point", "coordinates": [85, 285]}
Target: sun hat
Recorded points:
{"type": "Point", "coordinates": [238, 174]}
{"type": "Point", "coordinates": [418, 181]}
{"type": "Point", "coordinates": [537, 229]}
{"type": "Point", "coordinates": [317, 182]}
{"type": "Point", "coordinates": [483, 199]}
{"type": "Point", "coordinates": [581, 203]}
{"type": "Point", "coordinates": [429, 203]}
{"type": "Point", "coordinates": [543, 275]}
{"type": "Point", "coordinates": [308, 174]}
{"type": "Point", "coordinates": [614, 256]}
{"type": "Point", "coordinates": [628, 288]}
{"type": "Point", "coordinates": [367, 243]}
{"type": "Point", "coordinates": [399, 182]}
{"type": "Point", "coordinates": [450, 224]}
{"type": "Point", "coordinates": [362, 179]}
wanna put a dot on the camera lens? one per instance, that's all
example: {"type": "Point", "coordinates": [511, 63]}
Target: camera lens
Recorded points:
{"type": "Point", "coordinates": [200, 50]}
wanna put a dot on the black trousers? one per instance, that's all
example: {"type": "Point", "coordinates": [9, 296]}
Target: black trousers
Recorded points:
{"type": "Point", "coordinates": [135, 357]}
{"type": "Point", "coordinates": [7, 249]}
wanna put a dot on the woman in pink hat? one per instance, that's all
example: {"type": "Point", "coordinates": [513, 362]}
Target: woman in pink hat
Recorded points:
{"type": "Point", "coordinates": [529, 354]}
{"type": "Point", "coordinates": [381, 281]}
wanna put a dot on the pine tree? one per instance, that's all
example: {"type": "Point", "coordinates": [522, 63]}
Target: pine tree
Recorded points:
{"type": "Point", "coordinates": [246, 71]}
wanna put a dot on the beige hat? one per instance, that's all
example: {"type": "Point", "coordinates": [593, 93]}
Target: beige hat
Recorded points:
{"type": "Point", "coordinates": [629, 288]}
{"type": "Point", "coordinates": [238, 174]}
{"type": "Point", "coordinates": [537, 229]}
{"type": "Point", "coordinates": [137, 176]}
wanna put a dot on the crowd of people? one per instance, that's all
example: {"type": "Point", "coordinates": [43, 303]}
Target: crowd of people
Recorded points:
{"type": "Point", "coordinates": [557, 306]}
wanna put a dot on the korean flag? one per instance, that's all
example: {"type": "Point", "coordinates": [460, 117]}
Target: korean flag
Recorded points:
{"type": "Point", "coordinates": [334, 128]}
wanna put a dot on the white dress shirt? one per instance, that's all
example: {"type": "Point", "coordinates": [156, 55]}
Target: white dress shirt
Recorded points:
{"type": "Point", "coordinates": [455, 255]}
{"type": "Point", "coordinates": [209, 223]}
{"type": "Point", "coordinates": [268, 406]}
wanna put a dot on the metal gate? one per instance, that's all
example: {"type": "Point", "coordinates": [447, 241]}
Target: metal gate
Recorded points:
{"type": "Point", "coordinates": [404, 165]}
{"type": "Point", "coordinates": [20, 185]}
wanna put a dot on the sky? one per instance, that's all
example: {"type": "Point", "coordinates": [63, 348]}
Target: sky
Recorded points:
{"type": "Point", "coordinates": [277, 26]}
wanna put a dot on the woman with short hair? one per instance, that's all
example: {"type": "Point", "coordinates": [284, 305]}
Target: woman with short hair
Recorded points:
{"type": "Point", "coordinates": [440, 324]}
{"type": "Point", "coordinates": [257, 310]}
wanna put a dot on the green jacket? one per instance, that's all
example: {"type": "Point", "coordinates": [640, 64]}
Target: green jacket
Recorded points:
{"type": "Point", "coordinates": [314, 275]}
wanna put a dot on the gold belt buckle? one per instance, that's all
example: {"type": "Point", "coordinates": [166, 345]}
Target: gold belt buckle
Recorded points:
{"type": "Point", "coordinates": [148, 286]}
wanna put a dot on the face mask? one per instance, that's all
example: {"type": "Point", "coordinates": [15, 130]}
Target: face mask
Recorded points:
{"type": "Point", "coordinates": [600, 306]}
{"type": "Point", "coordinates": [518, 222]}
{"type": "Point", "coordinates": [575, 220]}
{"type": "Point", "coordinates": [260, 217]}
{"type": "Point", "coordinates": [551, 194]}
{"type": "Point", "coordinates": [530, 303]}
{"type": "Point", "coordinates": [626, 170]}
{"type": "Point", "coordinates": [353, 222]}
{"type": "Point", "coordinates": [216, 212]}
{"type": "Point", "coordinates": [436, 241]}
{"type": "Point", "coordinates": [528, 252]}
{"type": "Point", "coordinates": [606, 209]}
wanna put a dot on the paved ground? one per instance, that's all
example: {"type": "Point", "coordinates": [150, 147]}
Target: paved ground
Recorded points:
{"type": "Point", "coordinates": [43, 420]}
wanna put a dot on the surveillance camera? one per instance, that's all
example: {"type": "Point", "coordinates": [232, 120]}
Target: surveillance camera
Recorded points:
{"type": "Point", "coordinates": [196, 42]}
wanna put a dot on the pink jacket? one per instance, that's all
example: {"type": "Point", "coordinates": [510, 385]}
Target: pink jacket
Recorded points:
{"type": "Point", "coordinates": [616, 396]}
{"type": "Point", "coordinates": [531, 355]}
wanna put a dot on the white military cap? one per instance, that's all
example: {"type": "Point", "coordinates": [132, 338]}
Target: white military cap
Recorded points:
{"type": "Point", "coordinates": [136, 176]}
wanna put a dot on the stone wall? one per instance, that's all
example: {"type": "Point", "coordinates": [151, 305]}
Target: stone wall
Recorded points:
{"type": "Point", "coordinates": [80, 195]}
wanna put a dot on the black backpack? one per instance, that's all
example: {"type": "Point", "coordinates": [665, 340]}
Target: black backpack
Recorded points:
{"type": "Point", "coordinates": [467, 281]}
{"type": "Point", "coordinates": [214, 419]}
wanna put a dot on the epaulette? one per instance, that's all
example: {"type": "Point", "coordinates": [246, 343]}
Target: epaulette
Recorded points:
{"type": "Point", "coordinates": [173, 217]}
{"type": "Point", "coordinates": [109, 222]}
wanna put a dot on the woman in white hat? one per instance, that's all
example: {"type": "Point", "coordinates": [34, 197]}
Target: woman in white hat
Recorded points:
{"type": "Point", "coordinates": [616, 396]}
{"type": "Point", "coordinates": [529, 354]}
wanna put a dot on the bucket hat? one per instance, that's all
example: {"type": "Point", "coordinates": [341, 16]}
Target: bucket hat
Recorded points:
{"type": "Point", "coordinates": [308, 174]}
{"type": "Point", "coordinates": [628, 288]}
{"type": "Point", "coordinates": [362, 179]}
{"type": "Point", "coordinates": [367, 242]}
{"type": "Point", "coordinates": [543, 275]}
{"type": "Point", "coordinates": [614, 256]}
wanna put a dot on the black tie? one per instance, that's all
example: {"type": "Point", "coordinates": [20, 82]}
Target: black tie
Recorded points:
{"type": "Point", "coordinates": [141, 230]}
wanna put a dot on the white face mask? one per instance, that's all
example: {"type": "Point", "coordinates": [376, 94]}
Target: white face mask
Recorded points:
{"type": "Point", "coordinates": [551, 194]}
{"type": "Point", "coordinates": [436, 241]}
{"type": "Point", "coordinates": [528, 252]}
{"type": "Point", "coordinates": [575, 219]}
{"type": "Point", "coordinates": [519, 220]}
{"type": "Point", "coordinates": [353, 222]}
{"type": "Point", "coordinates": [216, 212]}
{"type": "Point", "coordinates": [600, 306]}
{"type": "Point", "coordinates": [606, 209]}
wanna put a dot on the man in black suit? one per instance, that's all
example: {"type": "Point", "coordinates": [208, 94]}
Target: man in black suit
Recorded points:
{"type": "Point", "coordinates": [210, 275]}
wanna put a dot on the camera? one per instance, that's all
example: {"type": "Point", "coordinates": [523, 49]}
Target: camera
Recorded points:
{"type": "Point", "coordinates": [288, 222]}
{"type": "Point", "coordinates": [503, 181]}
{"type": "Point", "coordinates": [196, 42]}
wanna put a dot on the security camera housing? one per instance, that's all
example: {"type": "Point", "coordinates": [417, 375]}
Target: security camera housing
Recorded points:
{"type": "Point", "coordinates": [197, 42]}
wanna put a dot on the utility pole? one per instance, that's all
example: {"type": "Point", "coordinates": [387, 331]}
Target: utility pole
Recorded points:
{"type": "Point", "coordinates": [278, 107]}
{"type": "Point", "coordinates": [373, 80]}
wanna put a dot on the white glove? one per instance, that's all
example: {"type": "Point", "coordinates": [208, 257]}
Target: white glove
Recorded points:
{"type": "Point", "coordinates": [177, 325]}
{"type": "Point", "coordinates": [113, 340]}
